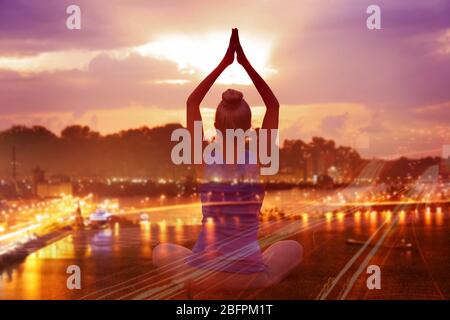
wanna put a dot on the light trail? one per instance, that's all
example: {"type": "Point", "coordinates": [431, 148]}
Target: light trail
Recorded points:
{"type": "Point", "coordinates": [371, 254]}
{"type": "Point", "coordinates": [19, 232]}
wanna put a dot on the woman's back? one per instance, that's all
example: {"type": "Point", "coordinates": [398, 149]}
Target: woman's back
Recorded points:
{"type": "Point", "coordinates": [231, 201]}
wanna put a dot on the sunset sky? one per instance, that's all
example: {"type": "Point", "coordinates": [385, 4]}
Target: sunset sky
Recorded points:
{"type": "Point", "coordinates": [133, 63]}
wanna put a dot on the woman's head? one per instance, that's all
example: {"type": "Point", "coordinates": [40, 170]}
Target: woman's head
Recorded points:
{"type": "Point", "coordinates": [233, 112]}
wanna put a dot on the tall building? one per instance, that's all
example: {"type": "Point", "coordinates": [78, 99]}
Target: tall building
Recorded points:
{"type": "Point", "coordinates": [44, 188]}
{"type": "Point", "coordinates": [14, 171]}
{"type": "Point", "coordinates": [38, 177]}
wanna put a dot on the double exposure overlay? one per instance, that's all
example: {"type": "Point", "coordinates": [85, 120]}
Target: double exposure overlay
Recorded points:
{"type": "Point", "coordinates": [249, 150]}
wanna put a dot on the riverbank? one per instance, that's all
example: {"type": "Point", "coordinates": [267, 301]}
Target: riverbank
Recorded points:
{"type": "Point", "coordinates": [18, 252]}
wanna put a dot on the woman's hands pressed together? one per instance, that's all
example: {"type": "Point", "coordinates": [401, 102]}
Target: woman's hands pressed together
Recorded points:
{"type": "Point", "coordinates": [234, 47]}
{"type": "Point", "coordinates": [228, 59]}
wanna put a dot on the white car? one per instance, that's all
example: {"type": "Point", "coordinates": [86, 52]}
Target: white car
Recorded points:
{"type": "Point", "coordinates": [100, 216]}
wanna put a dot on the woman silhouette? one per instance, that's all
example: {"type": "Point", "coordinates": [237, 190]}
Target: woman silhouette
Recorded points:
{"type": "Point", "coordinates": [227, 254]}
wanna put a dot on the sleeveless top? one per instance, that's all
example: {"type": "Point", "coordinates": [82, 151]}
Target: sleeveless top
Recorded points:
{"type": "Point", "coordinates": [231, 201]}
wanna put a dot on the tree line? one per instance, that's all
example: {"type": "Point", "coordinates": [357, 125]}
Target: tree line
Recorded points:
{"type": "Point", "coordinates": [80, 151]}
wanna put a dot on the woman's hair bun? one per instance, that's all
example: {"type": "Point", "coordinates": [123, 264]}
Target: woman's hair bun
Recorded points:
{"type": "Point", "coordinates": [232, 98]}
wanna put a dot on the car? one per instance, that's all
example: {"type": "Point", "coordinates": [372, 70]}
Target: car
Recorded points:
{"type": "Point", "coordinates": [100, 216]}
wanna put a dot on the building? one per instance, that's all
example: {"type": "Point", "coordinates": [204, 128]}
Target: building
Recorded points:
{"type": "Point", "coordinates": [50, 188]}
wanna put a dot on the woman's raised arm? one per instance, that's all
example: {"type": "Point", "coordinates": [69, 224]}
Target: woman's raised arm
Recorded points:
{"type": "Point", "coordinates": [196, 97]}
{"type": "Point", "coordinates": [272, 113]}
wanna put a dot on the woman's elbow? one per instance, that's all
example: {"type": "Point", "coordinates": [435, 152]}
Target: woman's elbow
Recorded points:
{"type": "Point", "coordinates": [275, 104]}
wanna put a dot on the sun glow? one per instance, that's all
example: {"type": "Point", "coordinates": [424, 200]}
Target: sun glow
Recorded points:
{"type": "Point", "coordinates": [201, 54]}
